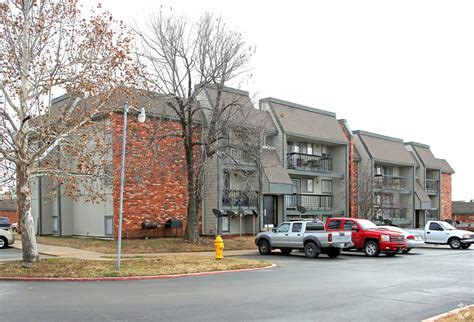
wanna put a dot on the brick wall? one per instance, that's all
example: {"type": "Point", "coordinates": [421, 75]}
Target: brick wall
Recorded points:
{"type": "Point", "coordinates": [155, 186]}
{"type": "Point", "coordinates": [446, 200]}
{"type": "Point", "coordinates": [11, 214]}
{"type": "Point", "coordinates": [353, 174]}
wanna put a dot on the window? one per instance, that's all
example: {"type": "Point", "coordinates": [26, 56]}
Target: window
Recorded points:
{"type": "Point", "coordinates": [348, 225]}
{"type": "Point", "coordinates": [283, 228]}
{"type": "Point", "coordinates": [296, 227]}
{"type": "Point", "coordinates": [307, 185]}
{"type": "Point", "coordinates": [269, 141]}
{"type": "Point", "coordinates": [326, 186]}
{"type": "Point", "coordinates": [435, 226]}
{"type": "Point", "coordinates": [334, 224]}
{"type": "Point", "coordinates": [315, 225]}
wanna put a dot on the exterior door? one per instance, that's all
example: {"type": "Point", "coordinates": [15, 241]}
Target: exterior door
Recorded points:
{"type": "Point", "coordinates": [295, 235]}
{"type": "Point", "coordinates": [269, 213]}
{"type": "Point", "coordinates": [357, 234]}
{"type": "Point", "coordinates": [435, 233]}
{"type": "Point", "coordinates": [295, 190]}
{"type": "Point", "coordinates": [280, 236]}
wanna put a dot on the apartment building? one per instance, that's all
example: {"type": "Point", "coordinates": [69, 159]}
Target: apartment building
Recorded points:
{"type": "Point", "coordinates": [387, 178]}
{"type": "Point", "coordinates": [313, 150]}
{"type": "Point", "coordinates": [432, 185]}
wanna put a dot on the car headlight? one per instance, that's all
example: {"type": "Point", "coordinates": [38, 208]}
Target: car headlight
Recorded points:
{"type": "Point", "coordinates": [385, 238]}
{"type": "Point", "coordinates": [466, 236]}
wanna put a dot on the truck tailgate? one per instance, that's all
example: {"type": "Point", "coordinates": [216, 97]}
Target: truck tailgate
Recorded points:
{"type": "Point", "coordinates": [341, 237]}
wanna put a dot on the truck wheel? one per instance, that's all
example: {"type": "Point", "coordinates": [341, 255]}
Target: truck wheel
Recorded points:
{"type": "Point", "coordinates": [264, 247]}
{"type": "Point", "coordinates": [3, 242]}
{"type": "Point", "coordinates": [371, 249]}
{"type": "Point", "coordinates": [465, 246]}
{"type": "Point", "coordinates": [391, 254]}
{"type": "Point", "coordinates": [311, 250]}
{"type": "Point", "coordinates": [333, 253]}
{"type": "Point", "coordinates": [406, 251]}
{"type": "Point", "coordinates": [454, 243]}
{"type": "Point", "coordinates": [286, 251]}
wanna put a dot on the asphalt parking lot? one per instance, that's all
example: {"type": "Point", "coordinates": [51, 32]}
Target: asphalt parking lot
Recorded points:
{"type": "Point", "coordinates": [351, 287]}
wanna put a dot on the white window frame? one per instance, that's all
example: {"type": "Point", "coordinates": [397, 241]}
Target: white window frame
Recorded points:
{"type": "Point", "coordinates": [323, 190]}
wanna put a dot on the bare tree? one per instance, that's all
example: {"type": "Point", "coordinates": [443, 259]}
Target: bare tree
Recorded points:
{"type": "Point", "coordinates": [365, 191]}
{"type": "Point", "coordinates": [180, 58]}
{"type": "Point", "coordinates": [46, 46]}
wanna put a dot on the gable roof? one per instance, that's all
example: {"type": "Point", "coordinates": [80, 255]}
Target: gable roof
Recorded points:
{"type": "Point", "coordinates": [242, 111]}
{"type": "Point", "coordinates": [386, 149]}
{"type": "Point", "coordinates": [463, 207]}
{"type": "Point", "coordinates": [306, 121]}
{"type": "Point", "coordinates": [445, 166]}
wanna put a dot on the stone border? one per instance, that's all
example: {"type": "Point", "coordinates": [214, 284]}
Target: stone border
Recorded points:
{"type": "Point", "coordinates": [443, 315]}
{"type": "Point", "coordinates": [128, 278]}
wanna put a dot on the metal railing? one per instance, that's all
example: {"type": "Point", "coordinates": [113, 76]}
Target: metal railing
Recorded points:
{"type": "Point", "coordinates": [431, 185]}
{"type": "Point", "coordinates": [308, 162]}
{"type": "Point", "coordinates": [390, 213]}
{"type": "Point", "coordinates": [236, 156]}
{"type": "Point", "coordinates": [310, 202]}
{"type": "Point", "coordinates": [239, 198]}
{"type": "Point", "coordinates": [390, 182]}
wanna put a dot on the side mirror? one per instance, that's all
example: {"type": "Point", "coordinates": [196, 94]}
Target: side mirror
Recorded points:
{"type": "Point", "coordinates": [274, 230]}
{"type": "Point", "coordinates": [355, 228]}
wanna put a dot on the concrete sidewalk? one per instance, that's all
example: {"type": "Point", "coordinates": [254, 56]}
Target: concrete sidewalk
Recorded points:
{"type": "Point", "coordinates": [69, 252]}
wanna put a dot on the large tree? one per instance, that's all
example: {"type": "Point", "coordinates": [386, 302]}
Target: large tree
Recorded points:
{"type": "Point", "coordinates": [181, 58]}
{"type": "Point", "coordinates": [48, 46]}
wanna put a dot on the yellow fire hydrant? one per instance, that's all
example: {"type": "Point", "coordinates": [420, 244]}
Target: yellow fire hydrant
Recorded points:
{"type": "Point", "coordinates": [219, 245]}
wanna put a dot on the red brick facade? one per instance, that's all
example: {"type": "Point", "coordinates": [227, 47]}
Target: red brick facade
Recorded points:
{"type": "Point", "coordinates": [11, 214]}
{"type": "Point", "coordinates": [446, 200]}
{"type": "Point", "coordinates": [353, 173]}
{"type": "Point", "coordinates": [155, 176]}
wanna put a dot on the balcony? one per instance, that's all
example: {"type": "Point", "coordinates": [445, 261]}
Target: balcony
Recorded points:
{"type": "Point", "coordinates": [310, 202]}
{"type": "Point", "coordinates": [431, 186]}
{"type": "Point", "coordinates": [308, 162]}
{"type": "Point", "coordinates": [390, 213]}
{"type": "Point", "coordinates": [390, 183]}
{"type": "Point", "coordinates": [239, 198]}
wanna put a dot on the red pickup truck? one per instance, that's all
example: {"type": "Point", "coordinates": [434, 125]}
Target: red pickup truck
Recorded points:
{"type": "Point", "coordinates": [368, 237]}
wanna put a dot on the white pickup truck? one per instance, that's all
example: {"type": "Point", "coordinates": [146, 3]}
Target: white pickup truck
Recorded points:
{"type": "Point", "coordinates": [305, 235]}
{"type": "Point", "coordinates": [441, 232]}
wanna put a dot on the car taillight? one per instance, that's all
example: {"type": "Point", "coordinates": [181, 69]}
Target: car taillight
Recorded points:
{"type": "Point", "coordinates": [410, 237]}
{"type": "Point", "coordinates": [330, 237]}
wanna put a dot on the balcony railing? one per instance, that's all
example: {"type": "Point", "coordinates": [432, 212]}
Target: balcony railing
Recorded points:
{"type": "Point", "coordinates": [431, 185]}
{"type": "Point", "coordinates": [239, 198]}
{"type": "Point", "coordinates": [310, 202]}
{"type": "Point", "coordinates": [236, 156]}
{"type": "Point", "coordinates": [308, 162]}
{"type": "Point", "coordinates": [390, 213]}
{"type": "Point", "coordinates": [390, 183]}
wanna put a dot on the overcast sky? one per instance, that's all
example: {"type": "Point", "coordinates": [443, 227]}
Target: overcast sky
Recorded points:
{"type": "Point", "coordinates": [399, 68]}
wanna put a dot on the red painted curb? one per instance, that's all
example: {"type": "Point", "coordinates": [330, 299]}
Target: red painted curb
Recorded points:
{"type": "Point", "coordinates": [129, 278]}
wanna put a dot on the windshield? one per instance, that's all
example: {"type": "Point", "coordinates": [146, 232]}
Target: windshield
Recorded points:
{"type": "Point", "coordinates": [367, 224]}
{"type": "Point", "coordinates": [447, 226]}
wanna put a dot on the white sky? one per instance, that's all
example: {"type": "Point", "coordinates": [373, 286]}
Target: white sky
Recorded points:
{"type": "Point", "coordinates": [398, 68]}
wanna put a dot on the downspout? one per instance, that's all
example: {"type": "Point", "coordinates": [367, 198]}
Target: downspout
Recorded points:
{"type": "Point", "coordinates": [413, 197]}
{"type": "Point", "coordinates": [60, 221]}
{"type": "Point", "coordinates": [40, 206]}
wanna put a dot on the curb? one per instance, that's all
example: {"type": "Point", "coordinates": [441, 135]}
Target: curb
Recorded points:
{"type": "Point", "coordinates": [129, 278]}
{"type": "Point", "coordinates": [442, 315]}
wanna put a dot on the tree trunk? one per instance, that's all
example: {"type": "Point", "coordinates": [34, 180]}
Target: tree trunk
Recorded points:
{"type": "Point", "coordinates": [28, 239]}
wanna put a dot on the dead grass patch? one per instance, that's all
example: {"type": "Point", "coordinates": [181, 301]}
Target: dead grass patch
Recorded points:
{"type": "Point", "coordinates": [142, 246]}
{"type": "Point", "coordinates": [466, 314]}
{"type": "Point", "coordinates": [162, 265]}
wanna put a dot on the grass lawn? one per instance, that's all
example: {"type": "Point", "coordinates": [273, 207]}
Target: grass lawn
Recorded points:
{"type": "Point", "coordinates": [163, 265]}
{"type": "Point", "coordinates": [138, 246]}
